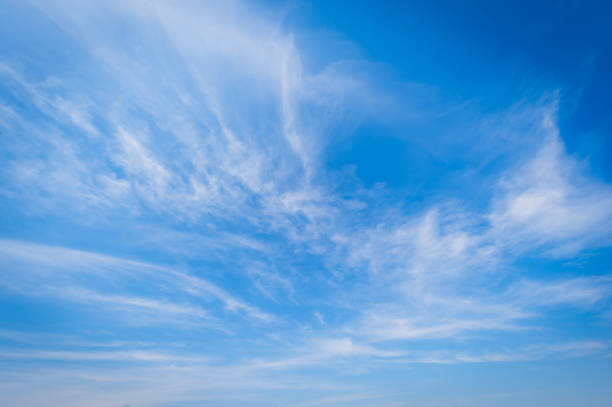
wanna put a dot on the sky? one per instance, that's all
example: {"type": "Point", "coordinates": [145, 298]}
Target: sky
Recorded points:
{"type": "Point", "coordinates": [292, 204]}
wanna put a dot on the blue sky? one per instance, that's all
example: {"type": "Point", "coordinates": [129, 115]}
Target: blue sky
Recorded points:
{"type": "Point", "coordinates": [305, 204]}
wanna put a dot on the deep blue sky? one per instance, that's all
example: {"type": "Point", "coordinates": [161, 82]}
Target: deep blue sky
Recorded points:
{"type": "Point", "coordinates": [305, 203]}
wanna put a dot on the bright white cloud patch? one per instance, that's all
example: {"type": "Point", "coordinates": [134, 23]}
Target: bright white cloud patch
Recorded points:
{"type": "Point", "coordinates": [549, 202]}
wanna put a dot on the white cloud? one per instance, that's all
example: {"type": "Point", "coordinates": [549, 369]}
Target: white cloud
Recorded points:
{"type": "Point", "coordinates": [41, 270]}
{"type": "Point", "coordinates": [582, 292]}
{"type": "Point", "coordinates": [346, 347]}
{"type": "Point", "coordinates": [549, 203]}
{"type": "Point", "coordinates": [107, 356]}
{"type": "Point", "coordinates": [319, 317]}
